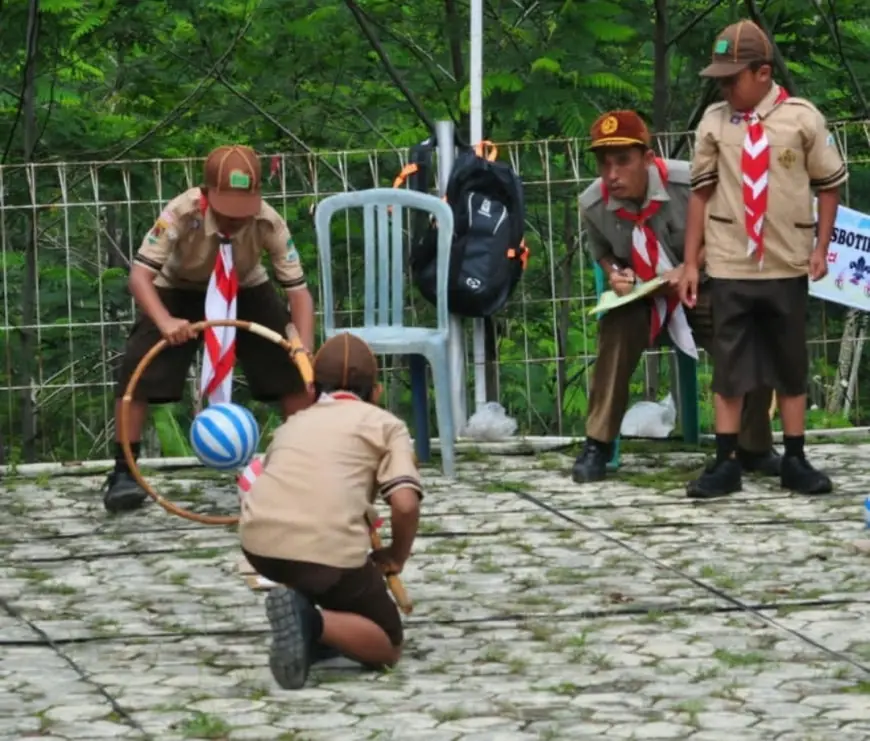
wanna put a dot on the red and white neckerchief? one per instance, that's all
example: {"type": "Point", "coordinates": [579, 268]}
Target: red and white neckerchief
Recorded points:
{"type": "Point", "coordinates": [649, 260]}
{"type": "Point", "coordinates": [755, 166]}
{"type": "Point", "coordinates": [338, 396]}
{"type": "Point", "coordinates": [245, 480]}
{"type": "Point", "coordinates": [216, 382]}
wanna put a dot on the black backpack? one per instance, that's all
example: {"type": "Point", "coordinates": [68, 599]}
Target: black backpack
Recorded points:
{"type": "Point", "coordinates": [489, 253]}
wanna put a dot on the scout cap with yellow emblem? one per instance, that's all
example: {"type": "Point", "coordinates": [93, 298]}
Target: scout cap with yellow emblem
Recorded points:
{"type": "Point", "coordinates": [619, 129]}
{"type": "Point", "coordinates": [345, 363]}
{"type": "Point", "coordinates": [232, 176]}
{"type": "Point", "coordinates": [736, 48]}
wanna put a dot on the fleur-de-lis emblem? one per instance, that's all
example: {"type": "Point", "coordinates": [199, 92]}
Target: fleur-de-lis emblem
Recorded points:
{"type": "Point", "coordinates": [858, 268]}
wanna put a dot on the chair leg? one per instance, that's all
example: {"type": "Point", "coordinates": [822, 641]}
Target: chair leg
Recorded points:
{"type": "Point", "coordinates": [690, 417]}
{"type": "Point", "coordinates": [420, 408]}
{"type": "Point", "coordinates": [444, 413]}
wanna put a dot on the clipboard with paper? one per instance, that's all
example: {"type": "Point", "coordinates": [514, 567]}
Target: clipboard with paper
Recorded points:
{"type": "Point", "coordinates": [609, 300]}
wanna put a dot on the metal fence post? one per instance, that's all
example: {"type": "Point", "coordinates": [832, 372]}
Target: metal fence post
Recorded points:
{"type": "Point", "coordinates": [444, 132]}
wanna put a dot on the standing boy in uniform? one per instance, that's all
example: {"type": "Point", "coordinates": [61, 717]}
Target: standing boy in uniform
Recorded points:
{"type": "Point", "coordinates": [634, 216]}
{"type": "Point", "coordinates": [759, 157]}
{"type": "Point", "coordinates": [205, 250]}
{"type": "Point", "coordinates": [305, 521]}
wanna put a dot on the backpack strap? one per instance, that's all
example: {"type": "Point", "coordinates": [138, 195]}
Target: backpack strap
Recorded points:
{"type": "Point", "coordinates": [406, 172]}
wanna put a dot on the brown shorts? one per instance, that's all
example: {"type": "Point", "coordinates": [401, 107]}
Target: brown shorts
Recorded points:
{"type": "Point", "coordinates": [760, 336]}
{"type": "Point", "coordinates": [362, 591]}
{"type": "Point", "coordinates": [268, 370]}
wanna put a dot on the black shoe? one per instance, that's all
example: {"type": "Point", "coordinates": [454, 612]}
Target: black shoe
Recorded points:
{"type": "Point", "coordinates": [799, 476]}
{"type": "Point", "coordinates": [719, 479]}
{"type": "Point", "coordinates": [292, 617]}
{"type": "Point", "coordinates": [123, 493]}
{"type": "Point", "coordinates": [768, 463]}
{"type": "Point", "coordinates": [591, 464]}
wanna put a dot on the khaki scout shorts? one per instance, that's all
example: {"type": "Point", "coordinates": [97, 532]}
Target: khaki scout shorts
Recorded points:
{"type": "Point", "coordinates": [270, 373]}
{"type": "Point", "coordinates": [361, 591]}
{"type": "Point", "coordinates": [760, 336]}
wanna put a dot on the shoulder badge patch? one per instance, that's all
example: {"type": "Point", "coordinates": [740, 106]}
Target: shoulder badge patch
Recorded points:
{"type": "Point", "coordinates": [164, 224]}
{"type": "Point", "coordinates": [292, 253]}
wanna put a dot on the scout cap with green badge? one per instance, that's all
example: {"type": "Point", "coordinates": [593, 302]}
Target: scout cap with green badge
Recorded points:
{"type": "Point", "coordinates": [232, 176]}
{"type": "Point", "coordinates": [738, 46]}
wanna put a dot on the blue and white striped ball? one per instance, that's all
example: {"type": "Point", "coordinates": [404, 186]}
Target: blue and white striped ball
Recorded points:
{"type": "Point", "coordinates": [224, 436]}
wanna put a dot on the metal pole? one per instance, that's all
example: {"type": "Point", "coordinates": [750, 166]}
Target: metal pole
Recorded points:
{"type": "Point", "coordinates": [475, 89]}
{"type": "Point", "coordinates": [445, 136]}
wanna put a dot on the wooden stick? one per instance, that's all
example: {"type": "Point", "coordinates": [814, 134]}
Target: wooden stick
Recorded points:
{"type": "Point", "coordinates": [393, 582]}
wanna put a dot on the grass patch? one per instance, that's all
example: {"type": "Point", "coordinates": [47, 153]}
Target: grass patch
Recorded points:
{"type": "Point", "coordinates": [202, 725]}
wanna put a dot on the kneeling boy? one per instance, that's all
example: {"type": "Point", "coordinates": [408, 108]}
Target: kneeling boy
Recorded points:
{"type": "Point", "coordinates": [305, 522]}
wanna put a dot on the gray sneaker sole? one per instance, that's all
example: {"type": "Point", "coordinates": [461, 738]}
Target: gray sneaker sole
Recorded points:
{"type": "Point", "coordinates": [288, 655]}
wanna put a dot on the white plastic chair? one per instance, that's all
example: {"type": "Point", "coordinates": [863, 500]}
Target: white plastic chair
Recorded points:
{"type": "Point", "coordinates": [383, 316]}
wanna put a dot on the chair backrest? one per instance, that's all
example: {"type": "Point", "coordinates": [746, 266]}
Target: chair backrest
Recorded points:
{"type": "Point", "coordinates": [384, 251]}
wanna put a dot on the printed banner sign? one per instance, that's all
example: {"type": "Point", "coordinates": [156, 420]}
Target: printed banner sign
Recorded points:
{"type": "Point", "coordinates": [848, 278]}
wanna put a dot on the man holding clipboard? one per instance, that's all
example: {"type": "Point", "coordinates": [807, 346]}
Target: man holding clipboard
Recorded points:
{"type": "Point", "coordinates": [634, 218]}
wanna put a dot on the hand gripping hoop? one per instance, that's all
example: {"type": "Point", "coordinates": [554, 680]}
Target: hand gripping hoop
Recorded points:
{"type": "Point", "coordinates": [294, 347]}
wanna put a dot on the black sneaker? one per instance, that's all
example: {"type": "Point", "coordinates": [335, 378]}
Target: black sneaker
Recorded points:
{"type": "Point", "coordinates": [591, 464]}
{"type": "Point", "coordinates": [291, 617]}
{"type": "Point", "coordinates": [123, 493]}
{"type": "Point", "coordinates": [799, 476]}
{"type": "Point", "coordinates": [719, 479]}
{"type": "Point", "coordinates": [766, 464]}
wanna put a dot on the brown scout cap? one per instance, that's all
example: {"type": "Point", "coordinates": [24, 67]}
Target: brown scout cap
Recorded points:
{"type": "Point", "coordinates": [619, 129]}
{"type": "Point", "coordinates": [736, 48]}
{"type": "Point", "coordinates": [232, 176]}
{"type": "Point", "coordinates": [345, 361]}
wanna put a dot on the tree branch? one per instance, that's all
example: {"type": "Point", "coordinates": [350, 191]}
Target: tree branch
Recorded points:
{"type": "Point", "coordinates": [695, 21]}
{"type": "Point", "coordinates": [454, 38]}
{"type": "Point", "coordinates": [833, 27]}
{"type": "Point", "coordinates": [388, 65]}
{"type": "Point", "coordinates": [778, 60]}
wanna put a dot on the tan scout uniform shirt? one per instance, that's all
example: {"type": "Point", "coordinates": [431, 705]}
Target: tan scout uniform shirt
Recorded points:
{"type": "Point", "coordinates": [323, 471]}
{"type": "Point", "coordinates": [182, 247]}
{"type": "Point", "coordinates": [803, 158]}
{"type": "Point", "coordinates": [610, 236]}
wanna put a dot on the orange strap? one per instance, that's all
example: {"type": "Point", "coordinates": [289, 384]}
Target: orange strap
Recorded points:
{"type": "Point", "coordinates": [491, 155]}
{"type": "Point", "coordinates": [522, 253]}
{"type": "Point", "coordinates": [406, 172]}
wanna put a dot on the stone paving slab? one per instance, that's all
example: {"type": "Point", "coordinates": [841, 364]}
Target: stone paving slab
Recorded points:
{"type": "Point", "coordinates": [622, 614]}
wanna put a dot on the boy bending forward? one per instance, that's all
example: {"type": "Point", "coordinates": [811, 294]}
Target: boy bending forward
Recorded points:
{"type": "Point", "coordinates": [759, 156]}
{"type": "Point", "coordinates": [305, 522]}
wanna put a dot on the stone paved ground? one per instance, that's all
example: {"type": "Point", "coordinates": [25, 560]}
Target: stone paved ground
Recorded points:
{"type": "Point", "coordinates": [620, 613]}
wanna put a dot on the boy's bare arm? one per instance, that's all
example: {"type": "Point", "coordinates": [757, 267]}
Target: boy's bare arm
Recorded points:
{"type": "Point", "coordinates": [829, 202]}
{"type": "Point", "coordinates": [405, 518]}
{"type": "Point", "coordinates": [695, 225]}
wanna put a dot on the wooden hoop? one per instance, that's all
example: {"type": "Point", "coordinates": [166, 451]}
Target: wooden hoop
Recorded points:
{"type": "Point", "coordinates": [293, 347]}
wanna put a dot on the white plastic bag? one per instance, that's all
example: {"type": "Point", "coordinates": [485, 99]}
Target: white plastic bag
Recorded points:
{"type": "Point", "coordinates": [655, 419]}
{"type": "Point", "coordinates": [490, 422]}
